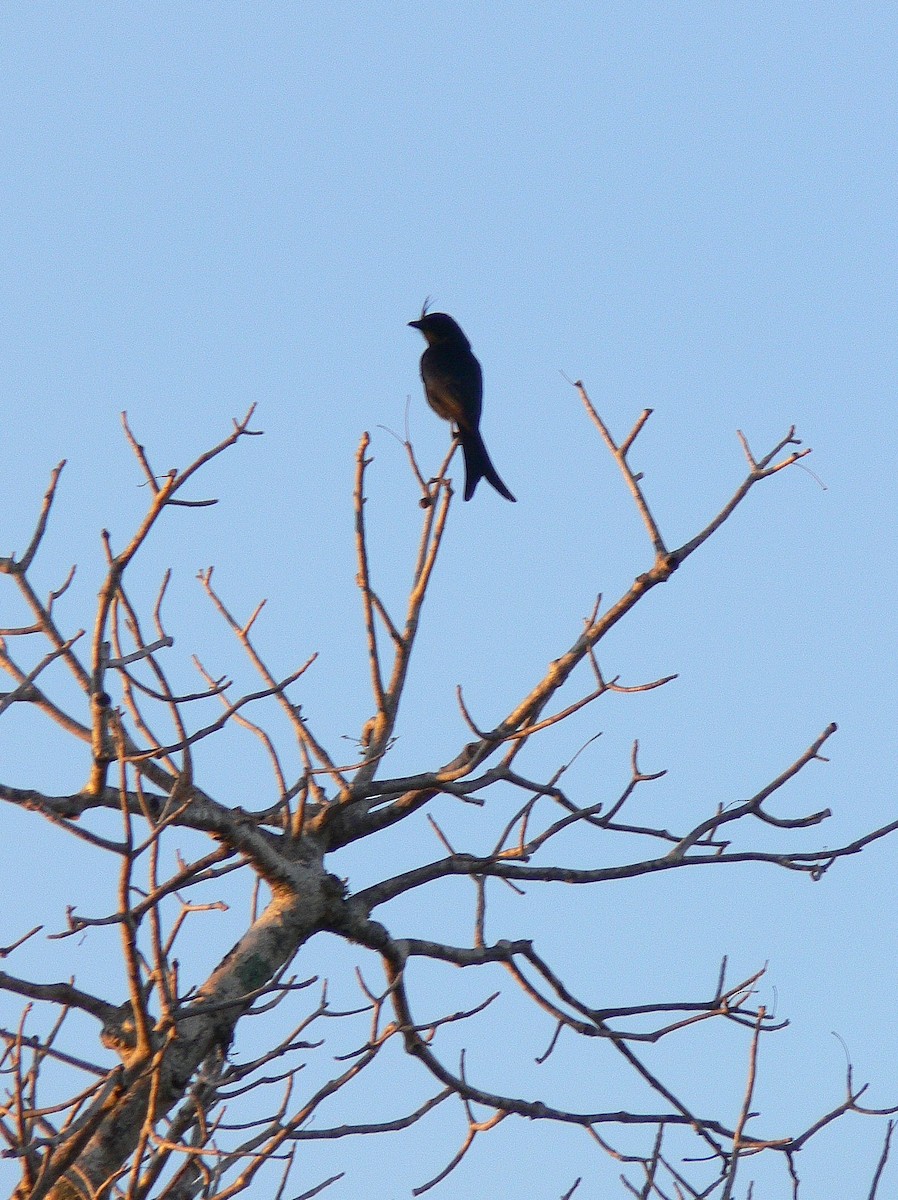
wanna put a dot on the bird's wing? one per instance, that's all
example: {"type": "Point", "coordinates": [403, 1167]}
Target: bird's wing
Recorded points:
{"type": "Point", "coordinates": [454, 385]}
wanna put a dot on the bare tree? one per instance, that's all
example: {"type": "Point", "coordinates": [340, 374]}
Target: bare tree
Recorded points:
{"type": "Point", "coordinates": [161, 1106]}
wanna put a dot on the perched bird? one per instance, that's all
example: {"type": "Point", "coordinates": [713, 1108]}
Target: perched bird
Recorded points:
{"type": "Point", "coordinates": [453, 385]}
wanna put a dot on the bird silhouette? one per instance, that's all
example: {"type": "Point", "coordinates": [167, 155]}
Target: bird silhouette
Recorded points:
{"type": "Point", "coordinates": [453, 385]}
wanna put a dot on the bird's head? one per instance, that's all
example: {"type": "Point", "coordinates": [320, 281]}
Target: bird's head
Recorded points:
{"type": "Point", "coordinates": [439, 327]}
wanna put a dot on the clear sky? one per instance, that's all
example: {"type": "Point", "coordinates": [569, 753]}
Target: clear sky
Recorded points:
{"type": "Point", "coordinates": [690, 206]}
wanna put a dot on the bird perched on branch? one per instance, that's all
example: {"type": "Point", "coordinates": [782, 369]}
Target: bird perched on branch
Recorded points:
{"type": "Point", "coordinates": [453, 385]}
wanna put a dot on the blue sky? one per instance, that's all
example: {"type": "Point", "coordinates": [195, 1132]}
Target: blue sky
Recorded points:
{"type": "Point", "coordinates": [689, 206]}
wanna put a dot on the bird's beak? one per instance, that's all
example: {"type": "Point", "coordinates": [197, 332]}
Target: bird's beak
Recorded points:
{"type": "Point", "coordinates": [415, 324]}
